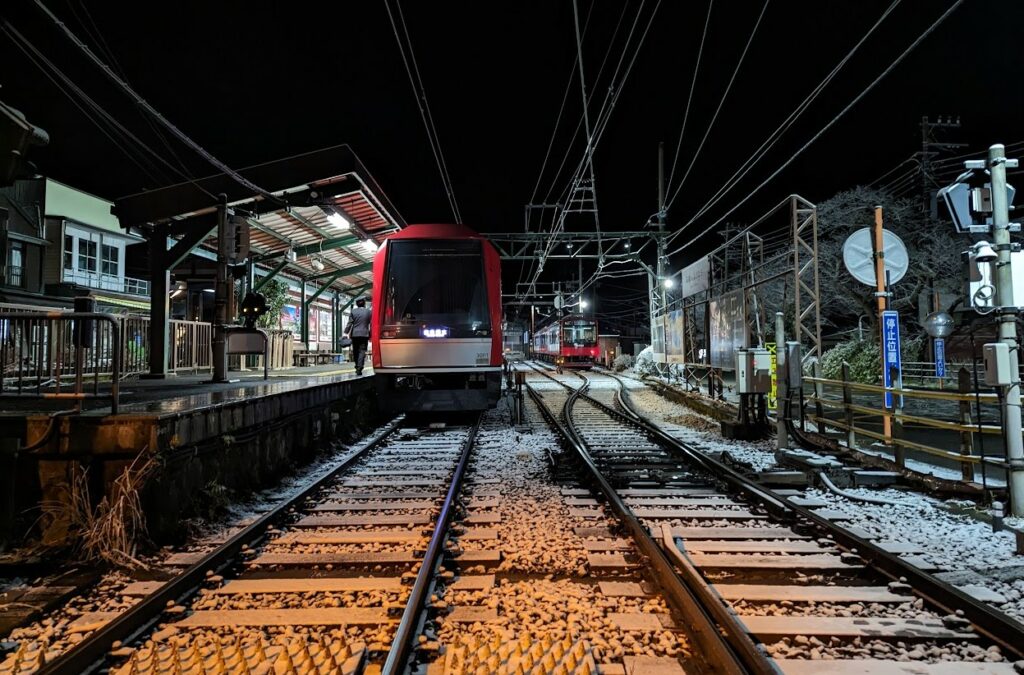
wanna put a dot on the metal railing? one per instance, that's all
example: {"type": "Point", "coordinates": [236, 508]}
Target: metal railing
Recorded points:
{"type": "Point", "coordinates": [60, 355]}
{"type": "Point", "coordinates": [853, 415]}
{"type": "Point", "coordinates": [108, 282]}
{"type": "Point", "coordinates": [191, 347]}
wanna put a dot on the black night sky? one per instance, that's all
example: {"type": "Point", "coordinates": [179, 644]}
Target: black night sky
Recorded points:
{"type": "Point", "coordinates": [255, 81]}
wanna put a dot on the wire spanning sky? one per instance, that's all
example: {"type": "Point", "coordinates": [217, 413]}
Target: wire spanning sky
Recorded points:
{"type": "Point", "coordinates": [254, 81]}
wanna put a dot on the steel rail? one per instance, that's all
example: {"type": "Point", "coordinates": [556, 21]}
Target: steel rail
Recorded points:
{"type": "Point", "coordinates": [409, 626]}
{"type": "Point", "coordinates": [731, 652]}
{"type": "Point", "coordinates": [89, 654]}
{"type": "Point", "coordinates": [1005, 631]}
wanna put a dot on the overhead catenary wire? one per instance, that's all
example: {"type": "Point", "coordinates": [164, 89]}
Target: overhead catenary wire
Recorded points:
{"type": "Point", "coordinates": [604, 115]}
{"type": "Point", "coordinates": [141, 102]}
{"type": "Point", "coordinates": [721, 103]}
{"type": "Point", "coordinates": [420, 92]}
{"type": "Point", "coordinates": [899, 59]}
{"type": "Point", "coordinates": [689, 98]}
{"type": "Point", "coordinates": [108, 125]}
{"type": "Point", "coordinates": [97, 36]}
{"type": "Point", "coordinates": [787, 123]}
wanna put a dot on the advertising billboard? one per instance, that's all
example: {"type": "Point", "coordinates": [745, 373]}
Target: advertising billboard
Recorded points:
{"type": "Point", "coordinates": [674, 337]}
{"type": "Point", "coordinates": [696, 277]}
{"type": "Point", "coordinates": [728, 329]}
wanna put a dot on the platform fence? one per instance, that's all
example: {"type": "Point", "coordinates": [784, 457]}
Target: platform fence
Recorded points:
{"type": "Point", "coordinates": [60, 355]}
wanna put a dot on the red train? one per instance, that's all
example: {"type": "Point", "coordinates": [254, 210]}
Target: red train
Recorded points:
{"type": "Point", "coordinates": [436, 320]}
{"type": "Point", "coordinates": [569, 342]}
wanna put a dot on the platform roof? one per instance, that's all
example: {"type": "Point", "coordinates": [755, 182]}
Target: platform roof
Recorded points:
{"type": "Point", "coordinates": [328, 208]}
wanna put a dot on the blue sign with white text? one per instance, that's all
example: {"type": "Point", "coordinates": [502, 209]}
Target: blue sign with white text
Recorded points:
{"type": "Point", "coordinates": [940, 357]}
{"type": "Point", "coordinates": [891, 353]}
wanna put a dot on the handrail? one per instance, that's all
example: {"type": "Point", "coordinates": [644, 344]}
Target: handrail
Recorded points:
{"type": "Point", "coordinates": [55, 344]}
{"type": "Point", "coordinates": [909, 393]}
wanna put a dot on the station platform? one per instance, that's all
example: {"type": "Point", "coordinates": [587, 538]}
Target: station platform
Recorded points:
{"type": "Point", "coordinates": [203, 437]}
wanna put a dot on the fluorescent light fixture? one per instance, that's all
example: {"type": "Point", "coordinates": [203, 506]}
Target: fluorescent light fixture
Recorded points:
{"type": "Point", "coordinates": [317, 264]}
{"type": "Point", "coordinates": [339, 221]}
{"type": "Point", "coordinates": [209, 290]}
{"type": "Point", "coordinates": [370, 245]}
{"type": "Point", "coordinates": [668, 282]}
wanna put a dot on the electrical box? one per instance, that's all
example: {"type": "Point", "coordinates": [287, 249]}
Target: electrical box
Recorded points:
{"type": "Point", "coordinates": [794, 365]}
{"type": "Point", "coordinates": [753, 371]}
{"type": "Point", "coordinates": [997, 364]}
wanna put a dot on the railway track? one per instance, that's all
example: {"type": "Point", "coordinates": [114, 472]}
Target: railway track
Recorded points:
{"type": "Point", "coordinates": [801, 587]}
{"type": "Point", "coordinates": [439, 551]}
{"type": "Point", "coordinates": [334, 580]}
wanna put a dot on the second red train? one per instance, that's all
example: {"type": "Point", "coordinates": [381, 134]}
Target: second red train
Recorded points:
{"type": "Point", "coordinates": [568, 342]}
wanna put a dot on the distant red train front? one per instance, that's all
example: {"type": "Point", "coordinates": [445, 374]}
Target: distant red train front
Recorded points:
{"type": "Point", "coordinates": [436, 319]}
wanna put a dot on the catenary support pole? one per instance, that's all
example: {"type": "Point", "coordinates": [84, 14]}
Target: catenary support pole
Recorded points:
{"type": "Point", "coordinates": [1007, 318]}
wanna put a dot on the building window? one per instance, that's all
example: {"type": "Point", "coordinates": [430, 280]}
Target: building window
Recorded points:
{"type": "Point", "coordinates": [111, 254]}
{"type": "Point", "coordinates": [86, 256]}
{"type": "Point", "coordinates": [69, 252]}
{"type": "Point", "coordinates": [16, 264]}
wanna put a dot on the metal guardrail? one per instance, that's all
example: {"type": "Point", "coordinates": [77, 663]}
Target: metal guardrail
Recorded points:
{"type": "Point", "coordinates": [108, 282]}
{"type": "Point", "coordinates": [853, 413]}
{"type": "Point", "coordinates": [60, 355]}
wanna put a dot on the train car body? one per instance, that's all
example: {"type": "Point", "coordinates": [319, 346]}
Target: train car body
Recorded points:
{"type": "Point", "coordinates": [568, 342]}
{"type": "Point", "coordinates": [514, 338]}
{"type": "Point", "coordinates": [436, 320]}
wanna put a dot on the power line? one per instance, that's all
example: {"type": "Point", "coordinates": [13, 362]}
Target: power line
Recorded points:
{"type": "Point", "coordinates": [787, 123]}
{"type": "Point", "coordinates": [689, 99]}
{"type": "Point", "coordinates": [178, 133]}
{"type": "Point", "coordinates": [561, 110]}
{"type": "Point", "coordinates": [115, 132]}
{"type": "Point", "coordinates": [428, 118]}
{"type": "Point", "coordinates": [721, 102]}
{"type": "Point", "coordinates": [831, 123]}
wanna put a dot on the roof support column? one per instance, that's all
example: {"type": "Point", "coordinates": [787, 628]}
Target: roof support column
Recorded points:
{"type": "Point", "coordinates": [159, 303]}
{"type": "Point", "coordinates": [303, 315]}
{"type": "Point", "coordinates": [221, 291]}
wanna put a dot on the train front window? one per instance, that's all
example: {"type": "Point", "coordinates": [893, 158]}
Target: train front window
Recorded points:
{"type": "Point", "coordinates": [579, 334]}
{"type": "Point", "coordinates": [435, 288]}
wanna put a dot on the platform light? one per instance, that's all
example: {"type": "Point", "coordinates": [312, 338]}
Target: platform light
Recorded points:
{"type": "Point", "coordinates": [339, 221]}
{"type": "Point", "coordinates": [583, 303]}
{"type": "Point", "coordinates": [317, 264]}
{"type": "Point", "coordinates": [668, 283]}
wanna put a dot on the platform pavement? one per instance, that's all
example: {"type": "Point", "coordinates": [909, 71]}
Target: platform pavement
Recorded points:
{"type": "Point", "coordinates": [189, 391]}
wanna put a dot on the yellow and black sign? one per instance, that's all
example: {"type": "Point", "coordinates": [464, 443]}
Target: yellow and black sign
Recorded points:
{"type": "Point", "coordinates": [773, 401]}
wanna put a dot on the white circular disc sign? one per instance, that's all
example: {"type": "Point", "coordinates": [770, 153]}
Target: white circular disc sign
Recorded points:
{"type": "Point", "coordinates": [858, 256]}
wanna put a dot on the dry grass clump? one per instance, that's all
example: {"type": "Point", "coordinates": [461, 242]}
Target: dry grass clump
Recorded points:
{"type": "Point", "coordinates": [112, 530]}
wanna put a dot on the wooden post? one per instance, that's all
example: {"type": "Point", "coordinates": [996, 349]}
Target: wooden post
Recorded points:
{"type": "Point", "coordinates": [966, 437]}
{"type": "Point", "coordinates": [879, 250]}
{"type": "Point", "coordinates": [851, 435]}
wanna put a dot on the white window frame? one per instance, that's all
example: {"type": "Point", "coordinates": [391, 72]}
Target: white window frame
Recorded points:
{"type": "Point", "coordinates": [92, 278]}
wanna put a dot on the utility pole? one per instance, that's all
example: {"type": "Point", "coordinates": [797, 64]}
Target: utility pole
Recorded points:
{"type": "Point", "coordinates": [929, 149]}
{"type": "Point", "coordinates": [1006, 311]}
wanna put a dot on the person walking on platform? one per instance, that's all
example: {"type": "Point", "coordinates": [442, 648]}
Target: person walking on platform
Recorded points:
{"type": "Point", "coordinates": [359, 330]}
